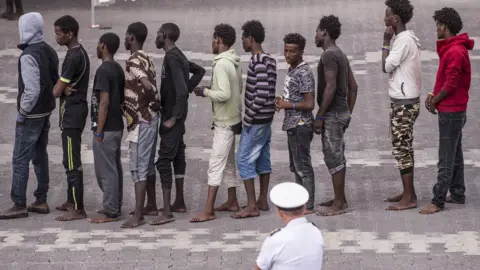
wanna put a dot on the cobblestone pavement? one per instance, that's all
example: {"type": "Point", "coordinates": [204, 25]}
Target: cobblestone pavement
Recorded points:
{"type": "Point", "coordinates": [367, 237]}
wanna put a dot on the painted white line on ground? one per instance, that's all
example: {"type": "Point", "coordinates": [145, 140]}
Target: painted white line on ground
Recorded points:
{"type": "Point", "coordinates": [367, 158]}
{"type": "Point", "coordinates": [194, 240]}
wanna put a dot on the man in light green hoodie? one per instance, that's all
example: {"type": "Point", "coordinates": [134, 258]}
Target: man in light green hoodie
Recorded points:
{"type": "Point", "coordinates": [225, 94]}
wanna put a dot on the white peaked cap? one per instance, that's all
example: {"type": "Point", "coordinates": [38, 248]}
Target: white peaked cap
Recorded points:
{"type": "Point", "coordinates": [289, 195]}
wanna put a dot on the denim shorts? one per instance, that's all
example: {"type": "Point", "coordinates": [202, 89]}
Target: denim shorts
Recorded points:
{"type": "Point", "coordinates": [253, 155]}
{"type": "Point", "coordinates": [142, 153]}
{"type": "Point", "coordinates": [333, 143]}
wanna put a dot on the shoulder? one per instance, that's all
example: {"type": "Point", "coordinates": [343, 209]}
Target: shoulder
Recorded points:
{"type": "Point", "coordinates": [330, 55]}
{"type": "Point", "coordinates": [272, 233]}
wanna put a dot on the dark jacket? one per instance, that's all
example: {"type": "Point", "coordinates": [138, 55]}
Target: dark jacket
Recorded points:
{"type": "Point", "coordinates": [37, 69]}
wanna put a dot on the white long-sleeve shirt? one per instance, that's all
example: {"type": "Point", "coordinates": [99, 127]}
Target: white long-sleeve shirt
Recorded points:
{"type": "Point", "coordinates": [403, 64]}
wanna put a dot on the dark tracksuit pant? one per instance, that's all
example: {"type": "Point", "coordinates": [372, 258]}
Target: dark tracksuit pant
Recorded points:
{"type": "Point", "coordinates": [71, 144]}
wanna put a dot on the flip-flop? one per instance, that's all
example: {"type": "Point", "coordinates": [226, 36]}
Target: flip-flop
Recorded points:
{"type": "Point", "coordinates": [332, 214]}
{"type": "Point", "coordinates": [140, 223]}
{"type": "Point", "coordinates": [151, 213]}
{"type": "Point", "coordinates": [200, 221]}
{"type": "Point", "coordinates": [393, 208]}
{"type": "Point", "coordinates": [165, 221]}
{"type": "Point", "coordinates": [238, 216]}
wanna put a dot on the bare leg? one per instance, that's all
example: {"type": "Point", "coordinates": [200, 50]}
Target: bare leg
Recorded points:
{"type": "Point", "coordinates": [262, 202]}
{"type": "Point", "coordinates": [166, 216]}
{"type": "Point", "coordinates": [231, 205]}
{"type": "Point", "coordinates": [137, 219]}
{"type": "Point", "coordinates": [339, 205]}
{"type": "Point", "coordinates": [409, 198]}
{"type": "Point", "coordinates": [178, 205]}
{"type": "Point", "coordinates": [207, 214]}
{"type": "Point", "coordinates": [150, 208]}
{"type": "Point", "coordinates": [251, 210]}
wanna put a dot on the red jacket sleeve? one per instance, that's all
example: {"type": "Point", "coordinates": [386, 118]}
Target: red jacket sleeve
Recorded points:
{"type": "Point", "coordinates": [453, 70]}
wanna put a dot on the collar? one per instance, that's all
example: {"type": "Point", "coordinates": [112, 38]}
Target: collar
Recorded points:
{"type": "Point", "coordinates": [297, 221]}
{"type": "Point", "coordinates": [299, 65]}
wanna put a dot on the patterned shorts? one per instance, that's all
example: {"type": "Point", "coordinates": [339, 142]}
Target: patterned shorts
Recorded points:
{"type": "Point", "coordinates": [402, 119]}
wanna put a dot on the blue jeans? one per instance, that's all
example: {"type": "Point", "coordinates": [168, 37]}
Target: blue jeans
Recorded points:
{"type": "Point", "coordinates": [31, 139]}
{"type": "Point", "coordinates": [253, 155]}
{"type": "Point", "coordinates": [450, 159]}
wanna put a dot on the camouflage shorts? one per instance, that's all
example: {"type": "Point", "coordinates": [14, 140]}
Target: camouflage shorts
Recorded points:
{"type": "Point", "coordinates": [402, 119]}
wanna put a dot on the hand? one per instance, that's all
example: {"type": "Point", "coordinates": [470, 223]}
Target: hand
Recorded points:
{"type": "Point", "coordinates": [20, 119]}
{"type": "Point", "coordinates": [433, 106]}
{"type": "Point", "coordinates": [348, 121]}
{"type": "Point", "coordinates": [69, 91]}
{"type": "Point", "coordinates": [169, 123]}
{"type": "Point", "coordinates": [276, 103]}
{"type": "Point", "coordinates": [428, 102]}
{"type": "Point", "coordinates": [281, 104]}
{"type": "Point", "coordinates": [155, 106]}
{"type": "Point", "coordinates": [99, 139]}
{"type": "Point", "coordinates": [318, 126]}
{"type": "Point", "coordinates": [388, 35]}
{"type": "Point", "coordinates": [198, 91]}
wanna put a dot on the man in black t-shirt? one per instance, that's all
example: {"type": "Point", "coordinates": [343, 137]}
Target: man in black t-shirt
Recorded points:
{"type": "Point", "coordinates": [72, 89]}
{"type": "Point", "coordinates": [107, 125]}
{"type": "Point", "coordinates": [336, 96]}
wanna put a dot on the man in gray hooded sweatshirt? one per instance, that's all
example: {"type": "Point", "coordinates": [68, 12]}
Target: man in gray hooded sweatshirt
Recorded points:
{"type": "Point", "coordinates": [37, 75]}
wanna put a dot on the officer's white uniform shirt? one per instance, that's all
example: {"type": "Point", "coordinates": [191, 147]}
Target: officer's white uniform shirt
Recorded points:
{"type": "Point", "coordinates": [299, 245]}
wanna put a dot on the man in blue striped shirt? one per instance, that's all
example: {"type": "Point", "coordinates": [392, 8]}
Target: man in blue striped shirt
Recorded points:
{"type": "Point", "coordinates": [253, 155]}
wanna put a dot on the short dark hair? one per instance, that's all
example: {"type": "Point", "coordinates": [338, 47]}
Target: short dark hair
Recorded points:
{"type": "Point", "coordinates": [67, 24]}
{"type": "Point", "coordinates": [332, 25]}
{"type": "Point", "coordinates": [254, 29]}
{"type": "Point", "coordinates": [295, 38]}
{"type": "Point", "coordinates": [293, 211]}
{"type": "Point", "coordinates": [112, 41]}
{"type": "Point", "coordinates": [226, 33]}
{"type": "Point", "coordinates": [171, 30]}
{"type": "Point", "coordinates": [139, 30]}
{"type": "Point", "coordinates": [401, 8]}
{"type": "Point", "coordinates": [450, 18]}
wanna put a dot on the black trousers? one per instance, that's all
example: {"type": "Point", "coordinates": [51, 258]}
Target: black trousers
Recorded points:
{"type": "Point", "coordinates": [18, 5]}
{"type": "Point", "coordinates": [450, 159]}
{"type": "Point", "coordinates": [172, 150]}
{"type": "Point", "coordinates": [72, 161]}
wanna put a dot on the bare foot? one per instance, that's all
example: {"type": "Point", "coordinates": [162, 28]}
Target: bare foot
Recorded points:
{"type": "Point", "coordinates": [394, 198]}
{"type": "Point", "coordinates": [326, 204]}
{"type": "Point", "coordinates": [308, 212]}
{"type": "Point", "coordinates": [177, 208]}
{"type": "Point", "coordinates": [261, 206]}
{"type": "Point", "coordinates": [160, 220]}
{"type": "Point", "coordinates": [65, 207]}
{"type": "Point", "coordinates": [102, 219]}
{"type": "Point", "coordinates": [147, 211]}
{"type": "Point", "coordinates": [247, 212]}
{"type": "Point", "coordinates": [133, 222]}
{"type": "Point", "coordinates": [202, 217]}
{"type": "Point", "coordinates": [450, 200]}
{"type": "Point", "coordinates": [334, 210]}
{"type": "Point", "coordinates": [72, 215]}
{"type": "Point", "coordinates": [228, 207]}
{"type": "Point", "coordinates": [330, 203]}
{"type": "Point", "coordinates": [430, 209]}
{"type": "Point", "coordinates": [402, 205]}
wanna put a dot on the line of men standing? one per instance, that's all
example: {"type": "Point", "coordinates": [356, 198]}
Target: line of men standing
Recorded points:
{"type": "Point", "coordinates": [134, 94]}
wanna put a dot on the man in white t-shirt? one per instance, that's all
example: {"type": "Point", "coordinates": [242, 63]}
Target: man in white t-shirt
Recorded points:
{"type": "Point", "coordinates": [401, 60]}
{"type": "Point", "coordinates": [298, 245]}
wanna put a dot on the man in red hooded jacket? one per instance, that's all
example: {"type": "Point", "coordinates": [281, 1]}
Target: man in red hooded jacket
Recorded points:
{"type": "Point", "coordinates": [450, 98]}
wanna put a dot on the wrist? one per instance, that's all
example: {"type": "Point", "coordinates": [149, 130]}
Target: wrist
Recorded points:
{"type": "Point", "coordinates": [294, 105]}
{"type": "Point", "coordinates": [320, 117]}
{"type": "Point", "coordinates": [99, 134]}
{"type": "Point", "coordinates": [386, 42]}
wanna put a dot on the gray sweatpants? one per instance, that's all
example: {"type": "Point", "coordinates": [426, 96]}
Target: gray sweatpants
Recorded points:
{"type": "Point", "coordinates": [109, 172]}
